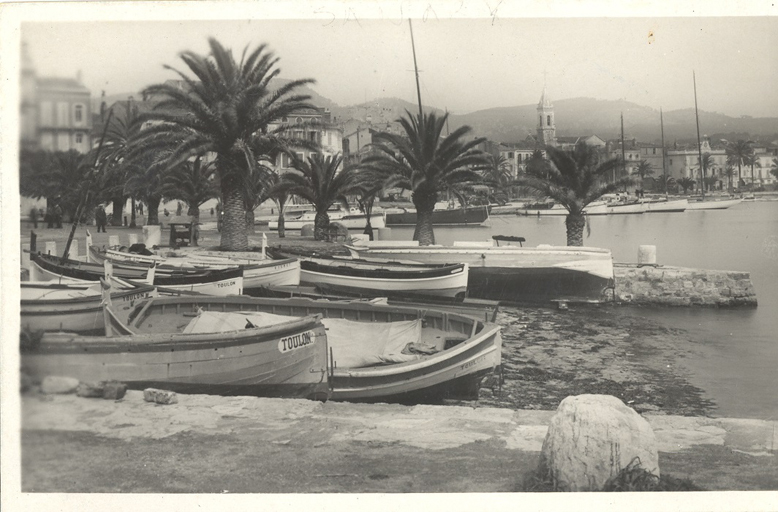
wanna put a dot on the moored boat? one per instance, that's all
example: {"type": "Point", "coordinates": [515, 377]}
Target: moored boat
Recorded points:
{"type": "Point", "coordinates": [372, 279]}
{"type": "Point", "coordinates": [74, 307]}
{"type": "Point", "coordinates": [713, 204]}
{"type": "Point", "coordinates": [256, 272]}
{"type": "Point", "coordinates": [667, 206]}
{"type": "Point", "coordinates": [45, 267]}
{"type": "Point", "coordinates": [350, 219]}
{"type": "Point", "coordinates": [168, 345]}
{"type": "Point", "coordinates": [471, 215]}
{"type": "Point", "coordinates": [513, 273]}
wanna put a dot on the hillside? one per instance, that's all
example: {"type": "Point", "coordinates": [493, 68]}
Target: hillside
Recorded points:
{"type": "Point", "coordinates": [574, 116]}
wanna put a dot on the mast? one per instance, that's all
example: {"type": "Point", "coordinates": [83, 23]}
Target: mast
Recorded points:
{"type": "Point", "coordinates": [699, 145]}
{"type": "Point", "coordinates": [664, 167]}
{"type": "Point", "coordinates": [623, 158]}
{"type": "Point", "coordinates": [416, 70]}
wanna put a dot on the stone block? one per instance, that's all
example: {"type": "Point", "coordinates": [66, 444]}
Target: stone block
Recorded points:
{"type": "Point", "coordinates": [90, 389]}
{"type": "Point", "coordinates": [54, 385]}
{"type": "Point", "coordinates": [307, 230]}
{"type": "Point", "coordinates": [593, 437]}
{"type": "Point", "coordinates": [160, 396]}
{"type": "Point", "coordinates": [114, 390]}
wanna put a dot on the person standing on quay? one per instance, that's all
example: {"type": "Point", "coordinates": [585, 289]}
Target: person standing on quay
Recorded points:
{"type": "Point", "coordinates": [58, 214]}
{"type": "Point", "coordinates": [100, 218]}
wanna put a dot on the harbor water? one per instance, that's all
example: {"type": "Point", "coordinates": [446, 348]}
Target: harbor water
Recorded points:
{"type": "Point", "coordinates": [736, 361]}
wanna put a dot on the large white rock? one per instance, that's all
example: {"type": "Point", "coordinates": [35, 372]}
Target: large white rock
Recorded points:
{"type": "Point", "coordinates": [591, 438]}
{"type": "Point", "coordinates": [59, 385]}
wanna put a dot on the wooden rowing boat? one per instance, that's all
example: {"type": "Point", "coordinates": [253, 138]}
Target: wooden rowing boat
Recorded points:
{"type": "Point", "coordinates": [44, 267]}
{"type": "Point", "coordinates": [256, 272]}
{"type": "Point", "coordinates": [163, 347]}
{"type": "Point", "coordinates": [74, 307]}
{"type": "Point", "coordinates": [371, 279]}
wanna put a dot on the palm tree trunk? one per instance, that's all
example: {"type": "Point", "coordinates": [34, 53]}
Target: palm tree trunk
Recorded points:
{"type": "Point", "coordinates": [132, 215]}
{"type": "Point", "coordinates": [118, 209]}
{"type": "Point", "coordinates": [152, 216]}
{"type": "Point", "coordinates": [424, 232]}
{"type": "Point", "coordinates": [575, 224]}
{"type": "Point", "coordinates": [281, 226]}
{"type": "Point", "coordinates": [250, 227]}
{"type": "Point", "coordinates": [320, 225]}
{"type": "Point", "coordinates": [194, 220]}
{"type": "Point", "coordinates": [234, 236]}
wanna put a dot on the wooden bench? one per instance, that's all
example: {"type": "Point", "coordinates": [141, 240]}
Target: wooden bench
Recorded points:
{"type": "Point", "coordinates": [180, 234]}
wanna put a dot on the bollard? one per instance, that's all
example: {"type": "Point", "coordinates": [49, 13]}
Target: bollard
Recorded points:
{"type": "Point", "coordinates": [51, 248]}
{"type": "Point", "coordinates": [133, 239]}
{"type": "Point", "coordinates": [384, 234]}
{"type": "Point", "coordinates": [647, 255]}
{"type": "Point", "coordinates": [113, 240]}
{"type": "Point", "coordinates": [26, 256]}
{"type": "Point", "coordinates": [152, 235]}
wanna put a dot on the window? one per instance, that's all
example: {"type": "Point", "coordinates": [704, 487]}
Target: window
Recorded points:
{"type": "Point", "coordinates": [655, 151]}
{"type": "Point", "coordinates": [79, 138]}
{"type": "Point", "coordinates": [63, 114]}
{"type": "Point", "coordinates": [541, 120]}
{"type": "Point", "coordinates": [671, 161]}
{"type": "Point", "coordinates": [299, 120]}
{"type": "Point", "coordinates": [285, 160]}
{"type": "Point", "coordinates": [510, 155]}
{"type": "Point", "coordinates": [312, 136]}
{"type": "Point", "coordinates": [47, 113]}
{"type": "Point", "coordinates": [78, 114]}
{"type": "Point", "coordinates": [548, 120]}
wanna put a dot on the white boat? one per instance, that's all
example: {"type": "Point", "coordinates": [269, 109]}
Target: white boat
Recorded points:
{"type": "Point", "coordinates": [373, 279]}
{"type": "Point", "coordinates": [626, 208]}
{"type": "Point", "coordinates": [513, 273]}
{"type": "Point", "coordinates": [257, 272]}
{"type": "Point", "coordinates": [663, 206]}
{"type": "Point", "coordinates": [713, 204]}
{"type": "Point", "coordinates": [353, 219]}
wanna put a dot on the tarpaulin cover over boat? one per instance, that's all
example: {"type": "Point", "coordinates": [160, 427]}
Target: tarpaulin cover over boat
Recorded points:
{"type": "Point", "coordinates": [354, 344]}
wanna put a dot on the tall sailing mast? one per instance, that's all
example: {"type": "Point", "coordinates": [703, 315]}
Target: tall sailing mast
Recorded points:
{"type": "Point", "coordinates": [623, 158]}
{"type": "Point", "coordinates": [416, 70]}
{"type": "Point", "coordinates": [664, 166]}
{"type": "Point", "coordinates": [699, 145]}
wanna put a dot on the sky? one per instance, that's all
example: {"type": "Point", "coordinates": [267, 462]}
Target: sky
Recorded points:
{"type": "Point", "coordinates": [465, 64]}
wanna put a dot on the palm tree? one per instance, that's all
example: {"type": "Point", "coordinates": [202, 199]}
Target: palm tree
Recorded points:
{"type": "Point", "coordinates": [729, 172]}
{"type": "Point", "coordinates": [643, 170]}
{"type": "Point", "coordinates": [497, 176]}
{"type": "Point", "coordinates": [573, 179]}
{"type": "Point", "coordinates": [753, 161]}
{"type": "Point", "coordinates": [737, 154]}
{"type": "Point", "coordinates": [706, 165]}
{"type": "Point", "coordinates": [774, 168]}
{"type": "Point", "coordinates": [274, 189]}
{"type": "Point", "coordinates": [320, 181]}
{"type": "Point", "coordinates": [665, 181]}
{"type": "Point", "coordinates": [426, 163]}
{"type": "Point", "coordinates": [368, 184]}
{"type": "Point", "coordinates": [194, 184]}
{"type": "Point", "coordinates": [68, 176]}
{"type": "Point", "coordinates": [227, 110]}
{"type": "Point", "coordinates": [685, 183]}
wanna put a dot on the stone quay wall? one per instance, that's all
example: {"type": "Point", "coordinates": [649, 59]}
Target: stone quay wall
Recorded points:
{"type": "Point", "coordinates": [662, 285]}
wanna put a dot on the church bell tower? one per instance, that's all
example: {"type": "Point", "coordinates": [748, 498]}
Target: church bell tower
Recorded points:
{"type": "Point", "coordinates": [546, 124]}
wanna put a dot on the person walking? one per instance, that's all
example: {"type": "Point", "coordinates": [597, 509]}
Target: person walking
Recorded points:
{"type": "Point", "coordinates": [58, 215]}
{"type": "Point", "coordinates": [100, 218]}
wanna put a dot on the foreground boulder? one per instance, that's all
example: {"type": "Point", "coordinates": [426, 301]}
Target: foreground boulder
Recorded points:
{"type": "Point", "coordinates": [307, 230]}
{"type": "Point", "coordinates": [114, 390]}
{"type": "Point", "coordinates": [90, 389]}
{"type": "Point", "coordinates": [593, 437]}
{"type": "Point", "coordinates": [160, 396]}
{"type": "Point", "coordinates": [54, 385]}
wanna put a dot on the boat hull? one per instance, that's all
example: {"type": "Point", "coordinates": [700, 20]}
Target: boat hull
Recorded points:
{"type": "Point", "coordinates": [676, 206]}
{"type": "Point", "coordinates": [257, 273]}
{"type": "Point", "coordinates": [247, 362]}
{"type": "Point", "coordinates": [217, 283]}
{"type": "Point", "coordinates": [55, 310]}
{"type": "Point", "coordinates": [448, 282]}
{"type": "Point", "coordinates": [626, 209]}
{"type": "Point", "coordinates": [473, 215]}
{"type": "Point", "coordinates": [428, 380]}
{"type": "Point", "coordinates": [377, 221]}
{"type": "Point", "coordinates": [519, 274]}
{"type": "Point", "coordinates": [712, 205]}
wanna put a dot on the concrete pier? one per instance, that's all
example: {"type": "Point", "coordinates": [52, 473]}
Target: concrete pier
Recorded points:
{"type": "Point", "coordinates": [661, 285]}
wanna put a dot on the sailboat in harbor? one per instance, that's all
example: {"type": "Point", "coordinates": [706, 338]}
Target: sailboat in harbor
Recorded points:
{"type": "Point", "coordinates": [703, 204]}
